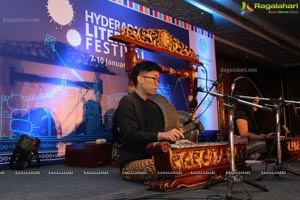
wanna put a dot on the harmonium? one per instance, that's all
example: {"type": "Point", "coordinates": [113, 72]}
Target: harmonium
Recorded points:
{"type": "Point", "coordinates": [290, 148]}
{"type": "Point", "coordinates": [193, 164]}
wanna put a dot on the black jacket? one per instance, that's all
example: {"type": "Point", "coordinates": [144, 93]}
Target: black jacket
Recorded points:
{"type": "Point", "coordinates": [138, 123]}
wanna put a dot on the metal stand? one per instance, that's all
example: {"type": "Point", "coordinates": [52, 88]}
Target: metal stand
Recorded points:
{"type": "Point", "coordinates": [232, 176]}
{"type": "Point", "coordinates": [279, 167]}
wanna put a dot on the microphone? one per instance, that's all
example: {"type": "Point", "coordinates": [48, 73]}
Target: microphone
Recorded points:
{"type": "Point", "coordinates": [216, 83]}
{"type": "Point", "coordinates": [233, 84]}
{"type": "Point", "coordinates": [269, 105]}
{"type": "Point", "coordinates": [197, 125]}
{"type": "Point", "coordinates": [232, 88]}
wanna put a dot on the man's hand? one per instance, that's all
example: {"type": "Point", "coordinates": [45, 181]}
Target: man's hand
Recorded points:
{"type": "Point", "coordinates": [172, 135]}
{"type": "Point", "coordinates": [268, 136]}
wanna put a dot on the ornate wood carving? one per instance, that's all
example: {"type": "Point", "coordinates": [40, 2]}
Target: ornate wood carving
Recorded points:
{"type": "Point", "coordinates": [159, 38]}
{"type": "Point", "coordinates": [193, 164]}
{"type": "Point", "coordinates": [161, 41]}
{"type": "Point", "coordinates": [290, 148]}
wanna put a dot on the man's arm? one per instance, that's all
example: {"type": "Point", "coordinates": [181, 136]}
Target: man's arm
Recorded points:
{"type": "Point", "coordinates": [242, 126]}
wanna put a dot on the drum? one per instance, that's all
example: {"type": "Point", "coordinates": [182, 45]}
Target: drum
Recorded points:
{"type": "Point", "coordinates": [170, 115]}
{"type": "Point", "coordinates": [180, 120]}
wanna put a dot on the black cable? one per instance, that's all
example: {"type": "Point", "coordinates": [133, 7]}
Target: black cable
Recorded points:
{"type": "Point", "coordinates": [207, 105]}
{"type": "Point", "coordinates": [253, 84]}
{"type": "Point", "coordinates": [206, 87]}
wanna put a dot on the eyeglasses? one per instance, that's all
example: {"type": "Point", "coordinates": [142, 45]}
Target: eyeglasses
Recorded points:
{"type": "Point", "coordinates": [156, 80]}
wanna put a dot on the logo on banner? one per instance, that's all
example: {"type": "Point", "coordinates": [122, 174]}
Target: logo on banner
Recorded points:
{"type": "Point", "coordinates": [202, 45]}
{"type": "Point", "coordinates": [98, 29]}
{"type": "Point", "coordinates": [246, 6]}
{"type": "Point", "coordinates": [270, 8]}
{"type": "Point", "coordinates": [64, 18]}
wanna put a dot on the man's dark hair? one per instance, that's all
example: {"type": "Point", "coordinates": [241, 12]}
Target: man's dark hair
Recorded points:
{"type": "Point", "coordinates": [143, 66]}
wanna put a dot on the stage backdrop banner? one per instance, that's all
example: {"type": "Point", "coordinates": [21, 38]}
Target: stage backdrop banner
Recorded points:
{"type": "Point", "coordinates": [203, 43]}
{"type": "Point", "coordinates": [61, 77]}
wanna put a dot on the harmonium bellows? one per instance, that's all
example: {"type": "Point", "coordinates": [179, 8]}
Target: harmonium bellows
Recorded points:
{"type": "Point", "coordinates": [192, 164]}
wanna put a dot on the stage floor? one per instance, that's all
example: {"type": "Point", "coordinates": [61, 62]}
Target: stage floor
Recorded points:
{"type": "Point", "coordinates": [61, 182]}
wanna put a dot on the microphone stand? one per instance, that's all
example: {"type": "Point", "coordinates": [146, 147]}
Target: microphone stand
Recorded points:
{"type": "Point", "coordinates": [278, 167]}
{"type": "Point", "coordinates": [199, 89]}
{"type": "Point", "coordinates": [233, 176]}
